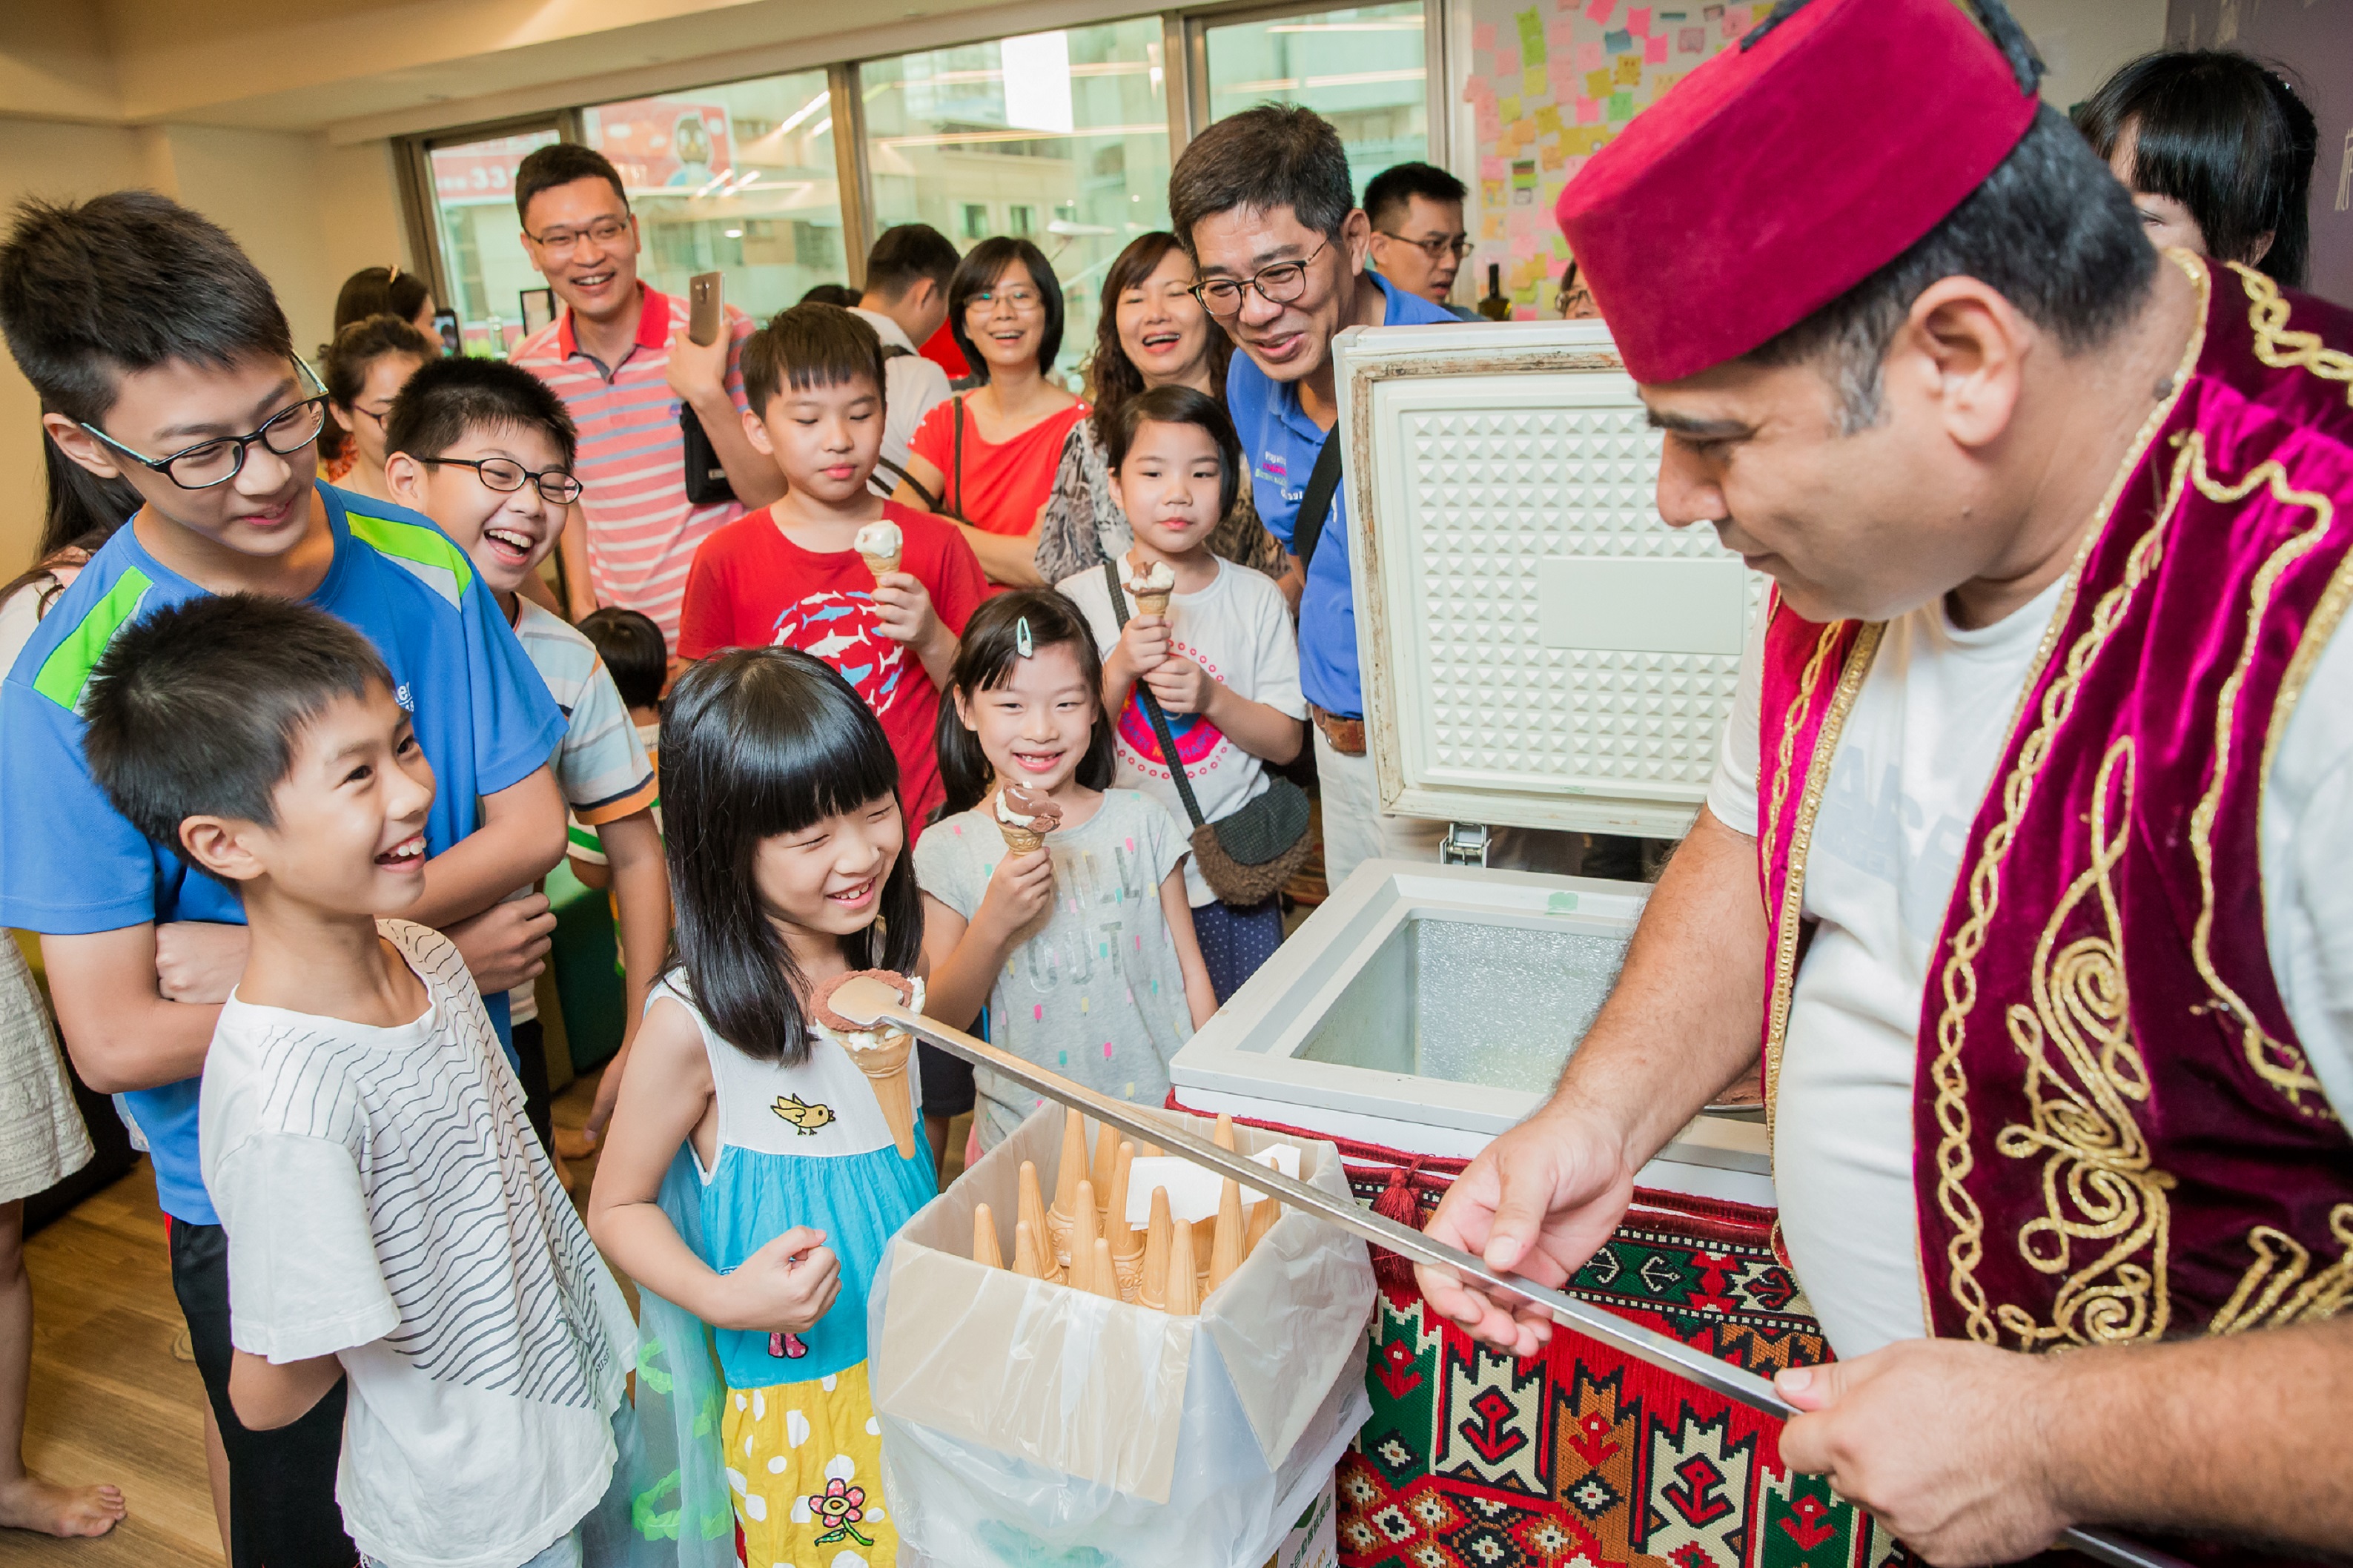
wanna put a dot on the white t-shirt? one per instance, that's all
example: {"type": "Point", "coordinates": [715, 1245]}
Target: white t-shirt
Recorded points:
{"type": "Point", "coordinates": [912, 387]}
{"type": "Point", "coordinates": [1240, 630]}
{"type": "Point", "coordinates": [386, 1204]}
{"type": "Point", "coordinates": [1913, 764]}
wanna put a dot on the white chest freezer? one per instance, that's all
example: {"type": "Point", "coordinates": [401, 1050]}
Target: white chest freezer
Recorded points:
{"type": "Point", "coordinates": [1539, 650]}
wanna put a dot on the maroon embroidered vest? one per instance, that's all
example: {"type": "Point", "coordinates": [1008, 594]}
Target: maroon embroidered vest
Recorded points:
{"type": "Point", "coordinates": [2116, 1136]}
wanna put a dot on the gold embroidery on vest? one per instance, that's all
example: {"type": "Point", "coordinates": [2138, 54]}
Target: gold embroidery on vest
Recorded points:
{"type": "Point", "coordinates": [1955, 1159]}
{"type": "Point", "coordinates": [2282, 348]}
{"type": "Point", "coordinates": [2099, 1184]}
{"type": "Point", "coordinates": [1801, 833]}
{"type": "Point", "coordinates": [2279, 1267]}
{"type": "Point", "coordinates": [2277, 1062]}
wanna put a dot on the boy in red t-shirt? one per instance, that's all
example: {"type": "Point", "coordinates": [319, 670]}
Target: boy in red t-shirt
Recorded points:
{"type": "Point", "coordinates": [878, 590]}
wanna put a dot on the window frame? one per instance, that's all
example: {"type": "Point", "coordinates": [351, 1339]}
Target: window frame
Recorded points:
{"type": "Point", "coordinates": [422, 217]}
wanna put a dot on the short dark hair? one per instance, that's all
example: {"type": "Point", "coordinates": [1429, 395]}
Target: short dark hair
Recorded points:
{"type": "Point", "coordinates": [1176, 404]}
{"type": "Point", "coordinates": [633, 649]}
{"type": "Point", "coordinates": [906, 253]}
{"type": "Point", "coordinates": [757, 742]}
{"type": "Point", "coordinates": [2227, 137]}
{"type": "Point", "coordinates": [1276, 155]}
{"type": "Point", "coordinates": [380, 291]}
{"type": "Point", "coordinates": [991, 645]}
{"type": "Point", "coordinates": [978, 273]}
{"type": "Point", "coordinates": [2050, 230]}
{"type": "Point", "coordinates": [1111, 377]}
{"type": "Point", "coordinates": [562, 163]}
{"type": "Point", "coordinates": [840, 294]}
{"type": "Point", "coordinates": [125, 282]}
{"type": "Point", "coordinates": [343, 364]}
{"type": "Point", "coordinates": [810, 345]}
{"type": "Point", "coordinates": [1388, 193]}
{"type": "Point", "coordinates": [195, 709]}
{"type": "Point", "coordinates": [448, 398]}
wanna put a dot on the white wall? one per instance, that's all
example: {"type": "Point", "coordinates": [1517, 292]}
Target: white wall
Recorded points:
{"type": "Point", "coordinates": [2084, 41]}
{"type": "Point", "coordinates": [308, 213]}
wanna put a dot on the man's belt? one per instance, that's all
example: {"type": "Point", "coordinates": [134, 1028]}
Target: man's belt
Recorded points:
{"type": "Point", "coordinates": [1346, 736]}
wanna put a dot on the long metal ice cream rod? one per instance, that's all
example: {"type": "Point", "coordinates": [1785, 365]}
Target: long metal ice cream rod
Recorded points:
{"type": "Point", "coordinates": [865, 1001]}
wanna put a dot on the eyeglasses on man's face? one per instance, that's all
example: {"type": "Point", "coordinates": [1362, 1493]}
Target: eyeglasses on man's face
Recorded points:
{"type": "Point", "coordinates": [1457, 246]}
{"type": "Point", "coordinates": [220, 459]}
{"type": "Point", "coordinates": [506, 476]}
{"type": "Point", "coordinates": [1279, 284]}
{"type": "Point", "coordinates": [559, 243]}
{"type": "Point", "coordinates": [1020, 298]}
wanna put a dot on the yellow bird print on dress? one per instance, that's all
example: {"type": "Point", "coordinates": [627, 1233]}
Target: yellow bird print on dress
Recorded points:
{"type": "Point", "coordinates": [806, 1118]}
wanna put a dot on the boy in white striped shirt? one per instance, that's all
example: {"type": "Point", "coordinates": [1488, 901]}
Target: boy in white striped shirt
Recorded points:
{"type": "Point", "coordinates": [390, 1218]}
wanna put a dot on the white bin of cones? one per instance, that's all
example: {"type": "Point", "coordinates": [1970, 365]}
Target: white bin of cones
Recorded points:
{"type": "Point", "coordinates": [1034, 1401]}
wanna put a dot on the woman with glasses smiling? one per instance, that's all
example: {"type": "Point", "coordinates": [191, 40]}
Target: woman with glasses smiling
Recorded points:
{"type": "Point", "coordinates": [362, 369]}
{"type": "Point", "coordinates": [986, 458]}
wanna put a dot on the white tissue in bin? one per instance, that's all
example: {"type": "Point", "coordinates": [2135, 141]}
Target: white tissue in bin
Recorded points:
{"type": "Point", "coordinates": [1194, 1190]}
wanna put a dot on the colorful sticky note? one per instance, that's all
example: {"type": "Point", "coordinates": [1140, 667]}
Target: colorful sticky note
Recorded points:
{"type": "Point", "coordinates": [1598, 10]}
{"type": "Point", "coordinates": [1596, 83]}
{"type": "Point", "coordinates": [1621, 106]}
{"type": "Point", "coordinates": [1637, 21]}
{"type": "Point", "coordinates": [1560, 34]}
{"type": "Point", "coordinates": [1654, 50]}
{"type": "Point", "coordinates": [1491, 222]}
{"type": "Point", "coordinates": [1590, 55]}
{"type": "Point", "coordinates": [1563, 72]}
{"type": "Point", "coordinates": [1491, 167]}
{"type": "Point", "coordinates": [1548, 121]}
{"type": "Point", "coordinates": [1491, 122]}
{"type": "Point", "coordinates": [1522, 247]}
{"type": "Point", "coordinates": [1507, 64]}
{"type": "Point", "coordinates": [1691, 40]}
{"type": "Point", "coordinates": [1532, 37]}
{"type": "Point", "coordinates": [1551, 155]}
{"type": "Point", "coordinates": [1483, 36]}
{"type": "Point", "coordinates": [1509, 109]}
{"type": "Point", "coordinates": [1629, 72]}
{"type": "Point", "coordinates": [1588, 111]}
{"type": "Point", "coordinates": [1477, 90]}
{"type": "Point", "coordinates": [1524, 181]}
{"type": "Point", "coordinates": [1618, 41]}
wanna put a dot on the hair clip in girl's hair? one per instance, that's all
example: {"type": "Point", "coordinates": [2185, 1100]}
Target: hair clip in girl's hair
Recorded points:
{"type": "Point", "coordinates": [1022, 642]}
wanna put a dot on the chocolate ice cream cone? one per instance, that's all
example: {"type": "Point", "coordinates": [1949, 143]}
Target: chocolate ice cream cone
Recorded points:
{"type": "Point", "coordinates": [885, 1067]}
{"type": "Point", "coordinates": [984, 1238]}
{"type": "Point", "coordinates": [1150, 604]}
{"type": "Point", "coordinates": [1020, 840]}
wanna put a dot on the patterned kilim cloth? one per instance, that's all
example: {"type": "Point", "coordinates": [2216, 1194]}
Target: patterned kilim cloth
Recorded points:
{"type": "Point", "coordinates": [1584, 1455]}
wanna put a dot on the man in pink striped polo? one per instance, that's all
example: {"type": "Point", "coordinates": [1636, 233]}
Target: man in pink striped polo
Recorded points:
{"type": "Point", "coordinates": [620, 356]}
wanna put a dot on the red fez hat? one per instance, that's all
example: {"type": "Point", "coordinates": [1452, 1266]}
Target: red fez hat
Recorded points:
{"type": "Point", "coordinates": [1784, 172]}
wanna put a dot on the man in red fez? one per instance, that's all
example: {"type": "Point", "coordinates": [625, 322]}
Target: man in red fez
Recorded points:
{"type": "Point", "coordinates": [2028, 857]}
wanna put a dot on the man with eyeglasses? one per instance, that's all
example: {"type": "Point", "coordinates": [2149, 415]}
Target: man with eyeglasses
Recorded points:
{"type": "Point", "coordinates": [620, 356]}
{"type": "Point", "coordinates": [1419, 240]}
{"type": "Point", "coordinates": [1263, 202]}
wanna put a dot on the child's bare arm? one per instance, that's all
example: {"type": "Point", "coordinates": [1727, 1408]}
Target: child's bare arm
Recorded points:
{"type": "Point", "coordinates": [665, 1095]}
{"type": "Point", "coordinates": [1201, 996]}
{"type": "Point", "coordinates": [963, 956]}
{"type": "Point", "coordinates": [268, 1394]}
{"type": "Point", "coordinates": [121, 1032]}
{"type": "Point", "coordinates": [596, 875]}
{"type": "Point", "coordinates": [640, 882]}
{"type": "Point", "coordinates": [520, 841]}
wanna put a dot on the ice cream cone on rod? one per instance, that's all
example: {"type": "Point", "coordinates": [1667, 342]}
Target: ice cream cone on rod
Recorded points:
{"type": "Point", "coordinates": [881, 1052]}
{"type": "Point", "coordinates": [983, 1238]}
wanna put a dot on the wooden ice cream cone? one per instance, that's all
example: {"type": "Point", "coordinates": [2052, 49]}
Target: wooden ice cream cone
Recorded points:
{"type": "Point", "coordinates": [1182, 1298]}
{"type": "Point", "coordinates": [1027, 1261]}
{"type": "Point", "coordinates": [1226, 1250]}
{"type": "Point", "coordinates": [1152, 1284]}
{"type": "Point", "coordinates": [885, 1067]}
{"type": "Point", "coordinates": [1068, 1174]}
{"type": "Point", "coordinates": [1224, 1136]}
{"type": "Point", "coordinates": [1104, 1277]}
{"type": "Point", "coordinates": [1261, 1220]}
{"type": "Point", "coordinates": [983, 1238]}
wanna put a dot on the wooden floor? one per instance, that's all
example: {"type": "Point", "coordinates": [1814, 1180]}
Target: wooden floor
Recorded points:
{"type": "Point", "coordinates": [110, 1401]}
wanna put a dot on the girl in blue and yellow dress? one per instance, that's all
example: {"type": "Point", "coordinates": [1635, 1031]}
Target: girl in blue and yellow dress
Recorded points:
{"type": "Point", "coordinates": [751, 1180]}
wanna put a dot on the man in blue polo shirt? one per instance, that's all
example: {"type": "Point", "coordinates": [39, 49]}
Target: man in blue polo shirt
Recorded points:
{"type": "Point", "coordinates": [1263, 200]}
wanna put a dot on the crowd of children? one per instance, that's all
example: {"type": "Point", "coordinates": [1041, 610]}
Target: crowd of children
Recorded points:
{"type": "Point", "coordinates": [286, 764]}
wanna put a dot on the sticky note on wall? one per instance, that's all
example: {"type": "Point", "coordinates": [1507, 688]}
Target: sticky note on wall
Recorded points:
{"type": "Point", "coordinates": [1654, 50]}
{"type": "Point", "coordinates": [1532, 37]}
{"type": "Point", "coordinates": [1629, 71]}
{"type": "Point", "coordinates": [1637, 21]}
{"type": "Point", "coordinates": [1598, 10]}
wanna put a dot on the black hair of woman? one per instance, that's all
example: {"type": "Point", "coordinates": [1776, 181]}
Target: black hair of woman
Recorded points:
{"type": "Point", "coordinates": [982, 268]}
{"type": "Point", "coordinates": [2225, 135]}
{"type": "Point", "coordinates": [343, 366]}
{"type": "Point", "coordinates": [1112, 376]}
{"type": "Point", "coordinates": [82, 513]}
{"type": "Point", "coordinates": [1180, 406]}
{"type": "Point", "coordinates": [757, 742]}
{"type": "Point", "coordinates": [992, 645]}
{"type": "Point", "coordinates": [381, 291]}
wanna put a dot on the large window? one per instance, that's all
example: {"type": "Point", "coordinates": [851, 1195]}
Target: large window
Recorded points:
{"type": "Point", "coordinates": [1060, 137]}
{"type": "Point", "coordinates": [1361, 68]}
{"type": "Point", "coordinates": [484, 266]}
{"type": "Point", "coordinates": [739, 179]}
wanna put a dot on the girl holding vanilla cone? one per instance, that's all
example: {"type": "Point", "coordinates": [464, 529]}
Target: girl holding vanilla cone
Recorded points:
{"type": "Point", "coordinates": [762, 1153]}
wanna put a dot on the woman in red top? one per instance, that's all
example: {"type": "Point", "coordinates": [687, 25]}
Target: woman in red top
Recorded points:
{"type": "Point", "coordinates": [986, 458]}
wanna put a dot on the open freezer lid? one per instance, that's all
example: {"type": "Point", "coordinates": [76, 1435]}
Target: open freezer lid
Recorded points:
{"type": "Point", "coordinates": [1539, 649]}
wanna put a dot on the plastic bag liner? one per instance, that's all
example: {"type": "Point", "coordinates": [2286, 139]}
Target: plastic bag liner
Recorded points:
{"type": "Point", "coordinates": [1027, 1422]}
{"type": "Point", "coordinates": [682, 1501]}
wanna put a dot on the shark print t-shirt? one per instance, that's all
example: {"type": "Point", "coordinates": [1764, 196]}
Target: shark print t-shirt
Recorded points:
{"type": "Point", "coordinates": [752, 587]}
{"type": "Point", "coordinates": [386, 1204]}
{"type": "Point", "coordinates": [1093, 990]}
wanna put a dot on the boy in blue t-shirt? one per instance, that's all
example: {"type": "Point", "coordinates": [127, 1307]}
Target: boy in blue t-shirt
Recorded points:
{"type": "Point", "coordinates": [160, 355]}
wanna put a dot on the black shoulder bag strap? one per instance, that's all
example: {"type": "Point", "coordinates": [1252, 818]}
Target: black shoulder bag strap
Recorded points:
{"type": "Point", "coordinates": [1316, 505]}
{"type": "Point", "coordinates": [1152, 708]}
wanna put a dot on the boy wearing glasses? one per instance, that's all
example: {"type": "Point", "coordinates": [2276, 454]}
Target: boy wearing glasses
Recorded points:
{"type": "Point", "coordinates": [1419, 241]}
{"type": "Point", "coordinates": [194, 397]}
{"type": "Point", "coordinates": [485, 451]}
